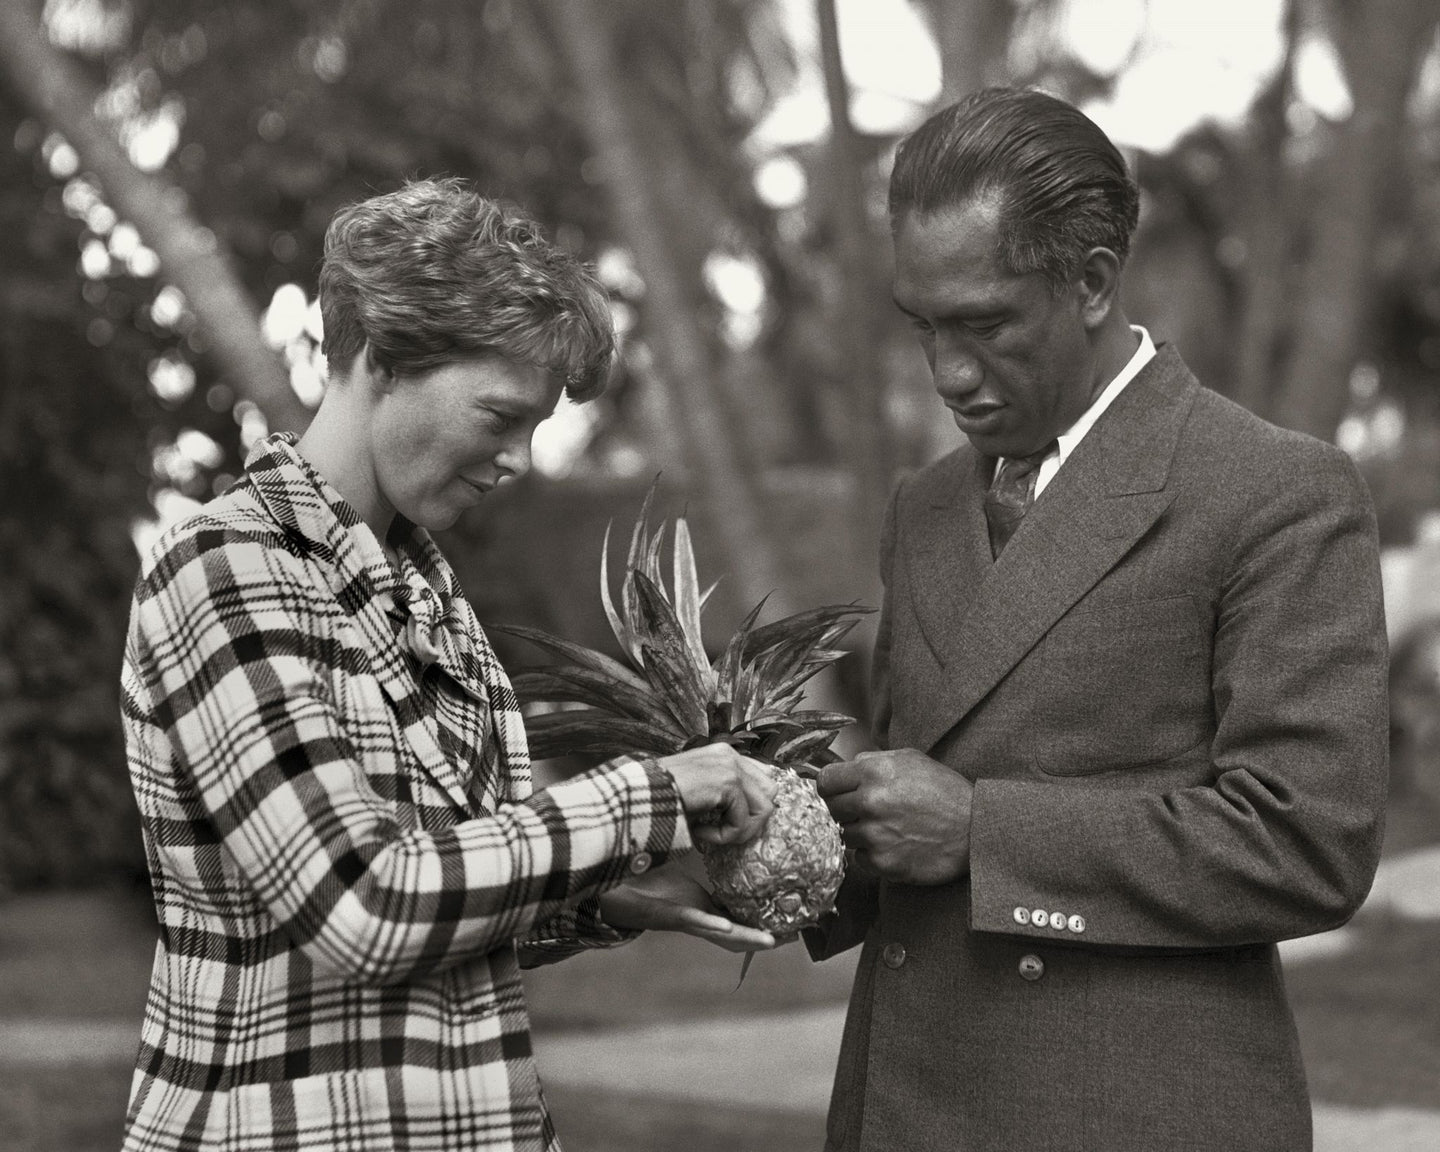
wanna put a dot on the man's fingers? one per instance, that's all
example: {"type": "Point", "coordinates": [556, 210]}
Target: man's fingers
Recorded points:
{"type": "Point", "coordinates": [846, 808]}
{"type": "Point", "coordinates": [835, 779]}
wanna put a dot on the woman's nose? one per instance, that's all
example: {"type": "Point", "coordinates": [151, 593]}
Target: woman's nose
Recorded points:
{"type": "Point", "coordinates": [514, 457]}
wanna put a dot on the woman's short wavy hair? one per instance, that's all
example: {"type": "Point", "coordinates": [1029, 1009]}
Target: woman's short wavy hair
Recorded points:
{"type": "Point", "coordinates": [1062, 185]}
{"type": "Point", "coordinates": [435, 272]}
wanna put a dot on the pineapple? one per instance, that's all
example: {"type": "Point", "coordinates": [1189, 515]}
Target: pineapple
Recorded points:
{"type": "Point", "coordinates": [668, 696]}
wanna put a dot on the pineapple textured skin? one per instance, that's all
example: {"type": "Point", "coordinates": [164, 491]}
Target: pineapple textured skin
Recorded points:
{"type": "Point", "coordinates": [787, 877]}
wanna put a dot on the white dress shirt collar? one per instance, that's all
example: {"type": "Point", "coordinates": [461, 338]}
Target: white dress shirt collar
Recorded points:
{"type": "Point", "coordinates": [1067, 440]}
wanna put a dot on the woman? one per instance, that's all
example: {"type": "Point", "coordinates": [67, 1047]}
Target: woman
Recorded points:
{"type": "Point", "coordinates": [348, 860]}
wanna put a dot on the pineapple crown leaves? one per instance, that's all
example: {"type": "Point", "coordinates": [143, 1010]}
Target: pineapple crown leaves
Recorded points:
{"type": "Point", "coordinates": [595, 732]}
{"type": "Point", "coordinates": [671, 696]}
{"type": "Point", "coordinates": [577, 685]}
{"type": "Point", "coordinates": [643, 560]}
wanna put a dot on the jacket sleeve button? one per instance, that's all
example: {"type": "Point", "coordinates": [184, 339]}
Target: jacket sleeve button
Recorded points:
{"type": "Point", "coordinates": [1022, 915]}
{"type": "Point", "coordinates": [1077, 923]}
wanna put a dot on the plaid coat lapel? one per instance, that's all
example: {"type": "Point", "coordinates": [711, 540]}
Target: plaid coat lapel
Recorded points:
{"type": "Point", "coordinates": [465, 652]}
{"type": "Point", "coordinates": [322, 524]}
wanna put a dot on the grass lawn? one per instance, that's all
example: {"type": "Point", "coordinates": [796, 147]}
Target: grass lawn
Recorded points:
{"type": "Point", "coordinates": [76, 954]}
{"type": "Point", "coordinates": [590, 1121]}
{"type": "Point", "coordinates": [1369, 1019]}
{"type": "Point", "coordinates": [665, 977]}
{"type": "Point", "coordinates": [59, 1110]}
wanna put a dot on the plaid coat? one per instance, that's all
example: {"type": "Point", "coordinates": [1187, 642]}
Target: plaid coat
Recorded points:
{"type": "Point", "coordinates": [332, 774]}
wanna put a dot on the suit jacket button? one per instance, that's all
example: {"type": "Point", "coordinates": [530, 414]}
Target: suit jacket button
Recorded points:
{"type": "Point", "coordinates": [893, 955]}
{"type": "Point", "coordinates": [1031, 966]}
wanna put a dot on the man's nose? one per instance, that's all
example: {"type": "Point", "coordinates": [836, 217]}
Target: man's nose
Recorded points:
{"type": "Point", "coordinates": [957, 372]}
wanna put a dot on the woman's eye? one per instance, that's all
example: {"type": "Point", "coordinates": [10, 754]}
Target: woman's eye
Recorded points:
{"type": "Point", "coordinates": [922, 327]}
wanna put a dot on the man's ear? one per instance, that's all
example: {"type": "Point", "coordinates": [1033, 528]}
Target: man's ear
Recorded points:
{"type": "Point", "coordinates": [1099, 286]}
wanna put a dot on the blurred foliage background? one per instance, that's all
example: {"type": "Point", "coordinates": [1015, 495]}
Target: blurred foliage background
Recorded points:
{"type": "Point", "coordinates": [167, 169]}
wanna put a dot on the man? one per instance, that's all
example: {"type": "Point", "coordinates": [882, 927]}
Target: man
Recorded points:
{"type": "Point", "coordinates": [1130, 681]}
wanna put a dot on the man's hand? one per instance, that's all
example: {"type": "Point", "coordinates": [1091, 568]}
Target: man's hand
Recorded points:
{"type": "Point", "coordinates": [667, 900]}
{"type": "Point", "coordinates": [906, 816]}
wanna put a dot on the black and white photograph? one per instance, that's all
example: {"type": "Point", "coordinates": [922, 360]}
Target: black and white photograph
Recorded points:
{"type": "Point", "coordinates": [719, 575]}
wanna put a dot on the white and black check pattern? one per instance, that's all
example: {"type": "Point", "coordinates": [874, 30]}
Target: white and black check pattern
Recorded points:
{"type": "Point", "coordinates": [348, 861]}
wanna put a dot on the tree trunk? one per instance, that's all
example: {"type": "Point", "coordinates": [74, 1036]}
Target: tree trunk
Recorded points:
{"type": "Point", "coordinates": [57, 90]}
{"type": "Point", "coordinates": [731, 507]}
{"type": "Point", "coordinates": [973, 37]}
{"type": "Point", "coordinates": [1268, 230]}
{"type": "Point", "coordinates": [858, 328]}
{"type": "Point", "coordinates": [1382, 43]}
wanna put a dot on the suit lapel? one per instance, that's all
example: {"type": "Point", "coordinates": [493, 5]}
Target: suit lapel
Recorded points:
{"type": "Point", "coordinates": [981, 618]}
{"type": "Point", "coordinates": [950, 550]}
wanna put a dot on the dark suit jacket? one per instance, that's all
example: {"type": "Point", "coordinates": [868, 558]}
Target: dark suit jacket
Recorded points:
{"type": "Point", "coordinates": [1170, 695]}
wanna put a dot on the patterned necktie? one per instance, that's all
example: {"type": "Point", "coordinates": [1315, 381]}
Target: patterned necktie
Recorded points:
{"type": "Point", "coordinates": [1010, 495]}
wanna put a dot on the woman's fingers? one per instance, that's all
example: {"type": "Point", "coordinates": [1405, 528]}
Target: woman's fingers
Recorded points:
{"type": "Point", "coordinates": [759, 786]}
{"type": "Point", "coordinates": [749, 802]}
{"type": "Point", "coordinates": [693, 920]}
{"type": "Point", "coordinates": [738, 938]}
{"type": "Point", "coordinates": [727, 796]}
{"type": "Point", "coordinates": [680, 905]}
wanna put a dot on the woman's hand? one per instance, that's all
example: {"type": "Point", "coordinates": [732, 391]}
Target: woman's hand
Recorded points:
{"type": "Point", "coordinates": [715, 780]}
{"type": "Point", "coordinates": [667, 900]}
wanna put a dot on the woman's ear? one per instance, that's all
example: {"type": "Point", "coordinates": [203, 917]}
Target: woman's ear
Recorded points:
{"type": "Point", "coordinates": [378, 377]}
{"type": "Point", "coordinates": [1099, 286]}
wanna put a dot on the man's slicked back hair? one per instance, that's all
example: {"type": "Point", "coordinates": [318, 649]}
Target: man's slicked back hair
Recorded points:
{"type": "Point", "coordinates": [1061, 185]}
{"type": "Point", "coordinates": [435, 272]}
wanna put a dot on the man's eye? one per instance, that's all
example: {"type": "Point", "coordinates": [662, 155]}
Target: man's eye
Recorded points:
{"type": "Point", "coordinates": [922, 327]}
{"type": "Point", "coordinates": [985, 329]}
